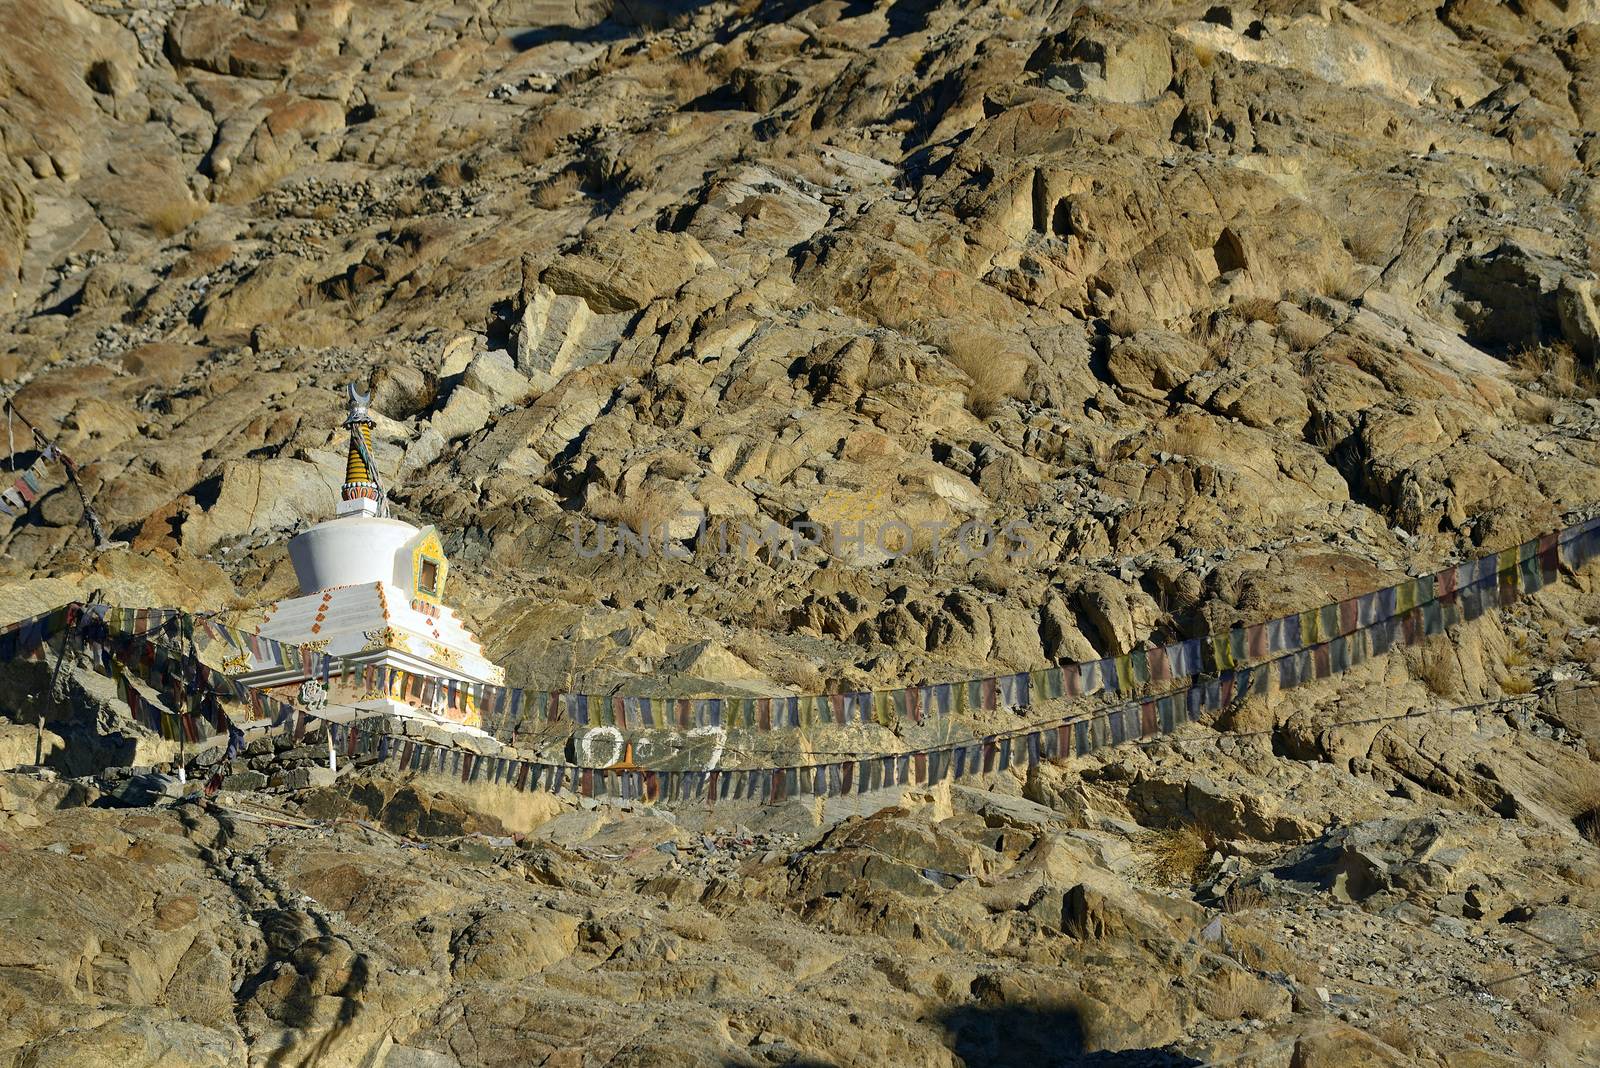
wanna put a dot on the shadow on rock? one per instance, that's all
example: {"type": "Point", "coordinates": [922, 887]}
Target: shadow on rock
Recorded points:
{"type": "Point", "coordinates": [302, 1009]}
{"type": "Point", "coordinates": [1016, 1036]}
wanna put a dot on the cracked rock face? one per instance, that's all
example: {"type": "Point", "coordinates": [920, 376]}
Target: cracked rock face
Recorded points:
{"type": "Point", "coordinates": [1191, 314]}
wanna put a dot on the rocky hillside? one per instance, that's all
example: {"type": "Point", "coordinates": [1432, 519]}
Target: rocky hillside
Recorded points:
{"type": "Point", "coordinates": [1232, 309]}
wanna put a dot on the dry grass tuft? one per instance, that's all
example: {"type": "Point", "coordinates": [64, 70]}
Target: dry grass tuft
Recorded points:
{"type": "Point", "coordinates": [1516, 685]}
{"type": "Point", "coordinates": [1556, 367]}
{"type": "Point", "coordinates": [1236, 995]}
{"type": "Point", "coordinates": [451, 175]}
{"type": "Point", "coordinates": [1436, 667]}
{"type": "Point", "coordinates": [1303, 333]}
{"type": "Point", "coordinates": [456, 138]}
{"type": "Point", "coordinates": [342, 288]}
{"type": "Point", "coordinates": [1259, 949]}
{"type": "Point", "coordinates": [691, 80]}
{"type": "Point", "coordinates": [1553, 176]}
{"type": "Point", "coordinates": [1537, 411]}
{"type": "Point", "coordinates": [1257, 310]}
{"type": "Point", "coordinates": [1517, 652]}
{"type": "Point", "coordinates": [1587, 820]}
{"type": "Point", "coordinates": [175, 216]}
{"type": "Point", "coordinates": [1370, 244]}
{"type": "Point", "coordinates": [995, 378]}
{"type": "Point", "coordinates": [556, 191]}
{"type": "Point", "coordinates": [1178, 854]}
{"type": "Point", "coordinates": [1243, 899]}
{"type": "Point", "coordinates": [1398, 1035]}
{"type": "Point", "coordinates": [1340, 285]}
{"type": "Point", "coordinates": [993, 384]}
{"type": "Point", "coordinates": [645, 511]}
{"type": "Point", "coordinates": [241, 187]}
{"type": "Point", "coordinates": [539, 139]}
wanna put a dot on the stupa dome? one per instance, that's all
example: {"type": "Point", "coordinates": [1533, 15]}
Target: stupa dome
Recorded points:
{"type": "Point", "coordinates": [361, 549]}
{"type": "Point", "coordinates": [372, 593]}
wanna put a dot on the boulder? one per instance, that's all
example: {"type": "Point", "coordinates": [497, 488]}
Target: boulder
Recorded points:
{"type": "Point", "coordinates": [24, 745]}
{"type": "Point", "coordinates": [1152, 363]}
{"type": "Point", "coordinates": [465, 412]}
{"type": "Point", "coordinates": [622, 271]}
{"type": "Point", "coordinates": [494, 375]}
{"type": "Point", "coordinates": [225, 42]}
{"type": "Point", "coordinates": [1103, 56]}
{"type": "Point", "coordinates": [250, 496]}
{"type": "Point", "coordinates": [1576, 308]}
{"type": "Point", "coordinates": [1103, 602]}
{"type": "Point", "coordinates": [268, 293]}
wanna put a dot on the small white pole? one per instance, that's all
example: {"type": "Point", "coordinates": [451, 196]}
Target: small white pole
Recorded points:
{"type": "Point", "coordinates": [333, 761]}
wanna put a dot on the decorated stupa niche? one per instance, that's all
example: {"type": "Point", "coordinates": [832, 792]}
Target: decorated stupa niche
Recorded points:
{"type": "Point", "coordinates": [372, 591]}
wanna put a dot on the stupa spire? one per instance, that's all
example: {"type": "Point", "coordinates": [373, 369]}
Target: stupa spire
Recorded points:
{"type": "Point", "coordinates": [361, 494]}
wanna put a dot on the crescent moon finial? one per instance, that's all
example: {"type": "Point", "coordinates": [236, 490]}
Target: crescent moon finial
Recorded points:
{"type": "Point", "coordinates": [358, 402]}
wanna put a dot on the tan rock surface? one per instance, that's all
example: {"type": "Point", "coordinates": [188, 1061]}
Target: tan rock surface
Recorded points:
{"type": "Point", "coordinates": [1235, 309]}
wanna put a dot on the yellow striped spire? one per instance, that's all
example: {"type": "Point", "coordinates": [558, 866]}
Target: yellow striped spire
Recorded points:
{"type": "Point", "coordinates": [361, 493]}
{"type": "Point", "coordinates": [355, 468]}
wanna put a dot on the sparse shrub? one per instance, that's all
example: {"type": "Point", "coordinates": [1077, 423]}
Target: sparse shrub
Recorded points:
{"type": "Point", "coordinates": [1303, 333]}
{"type": "Point", "coordinates": [556, 191]}
{"type": "Point", "coordinates": [1257, 309]}
{"type": "Point", "coordinates": [1556, 367]}
{"type": "Point", "coordinates": [1240, 898]}
{"type": "Point", "coordinates": [1436, 667]}
{"type": "Point", "coordinates": [546, 130]}
{"type": "Point", "coordinates": [644, 511]}
{"type": "Point", "coordinates": [1370, 244]}
{"type": "Point", "coordinates": [1587, 819]}
{"type": "Point", "coordinates": [690, 80]}
{"type": "Point", "coordinates": [1516, 685]}
{"type": "Point", "coordinates": [1553, 175]}
{"type": "Point", "coordinates": [1178, 854]}
{"type": "Point", "coordinates": [1236, 994]}
{"type": "Point", "coordinates": [174, 216]}
{"type": "Point", "coordinates": [450, 175]}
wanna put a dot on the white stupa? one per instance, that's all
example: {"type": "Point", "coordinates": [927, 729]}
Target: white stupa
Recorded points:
{"type": "Point", "coordinates": [372, 593]}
